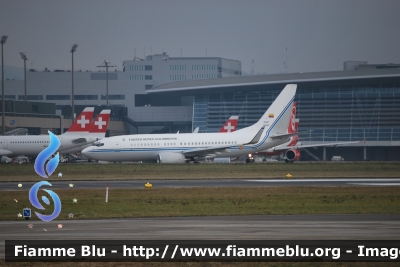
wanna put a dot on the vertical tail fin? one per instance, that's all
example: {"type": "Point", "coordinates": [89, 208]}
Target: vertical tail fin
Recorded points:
{"type": "Point", "coordinates": [230, 125]}
{"type": "Point", "coordinates": [276, 118]}
{"type": "Point", "coordinates": [100, 124]}
{"type": "Point", "coordinates": [82, 123]}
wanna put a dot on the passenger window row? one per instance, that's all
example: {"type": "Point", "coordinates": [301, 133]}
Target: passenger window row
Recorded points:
{"type": "Point", "coordinates": [30, 142]}
{"type": "Point", "coordinates": [181, 144]}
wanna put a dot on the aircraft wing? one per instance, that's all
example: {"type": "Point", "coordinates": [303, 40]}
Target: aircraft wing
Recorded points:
{"type": "Point", "coordinates": [4, 152]}
{"type": "Point", "coordinates": [314, 145]}
{"type": "Point", "coordinates": [286, 135]}
{"type": "Point", "coordinates": [206, 151]}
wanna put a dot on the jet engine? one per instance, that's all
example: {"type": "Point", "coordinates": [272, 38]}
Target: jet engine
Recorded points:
{"type": "Point", "coordinates": [292, 155]}
{"type": "Point", "coordinates": [170, 157]}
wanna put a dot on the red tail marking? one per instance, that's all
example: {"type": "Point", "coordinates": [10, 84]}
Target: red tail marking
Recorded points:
{"type": "Point", "coordinates": [296, 123]}
{"type": "Point", "coordinates": [292, 122]}
{"type": "Point", "coordinates": [100, 124]}
{"type": "Point", "coordinates": [230, 125]}
{"type": "Point", "coordinates": [293, 141]}
{"type": "Point", "coordinates": [82, 123]}
{"type": "Point", "coordinates": [293, 126]}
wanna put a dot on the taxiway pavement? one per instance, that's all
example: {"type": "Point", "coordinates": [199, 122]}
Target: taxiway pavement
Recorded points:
{"type": "Point", "coordinates": [12, 186]}
{"type": "Point", "coordinates": [268, 227]}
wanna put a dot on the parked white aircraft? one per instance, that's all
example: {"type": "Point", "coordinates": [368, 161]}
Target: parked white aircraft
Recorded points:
{"type": "Point", "coordinates": [269, 131]}
{"type": "Point", "coordinates": [77, 135]}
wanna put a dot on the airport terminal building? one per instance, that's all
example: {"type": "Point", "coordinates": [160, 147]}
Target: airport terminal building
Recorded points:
{"type": "Point", "coordinates": [359, 105]}
{"type": "Point", "coordinates": [126, 88]}
{"type": "Point", "coordinates": [169, 94]}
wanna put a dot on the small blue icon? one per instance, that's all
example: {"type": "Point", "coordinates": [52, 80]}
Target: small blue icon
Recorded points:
{"type": "Point", "coordinates": [26, 213]}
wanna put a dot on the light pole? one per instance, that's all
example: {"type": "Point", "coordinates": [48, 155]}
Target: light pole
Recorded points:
{"type": "Point", "coordinates": [73, 49]}
{"type": "Point", "coordinates": [23, 56]}
{"type": "Point", "coordinates": [106, 66]}
{"type": "Point", "coordinates": [3, 102]}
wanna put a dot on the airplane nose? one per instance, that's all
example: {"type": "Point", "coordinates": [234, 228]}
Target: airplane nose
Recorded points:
{"type": "Point", "coordinates": [86, 151]}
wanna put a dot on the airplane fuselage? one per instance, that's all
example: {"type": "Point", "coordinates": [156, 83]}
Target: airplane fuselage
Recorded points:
{"type": "Point", "coordinates": [148, 147]}
{"type": "Point", "coordinates": [32, 145]}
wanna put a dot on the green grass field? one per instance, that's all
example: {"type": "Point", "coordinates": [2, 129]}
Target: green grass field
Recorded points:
{"type": "Point", "coordinates": [128, 203]}
{"type": "Point", "coordinates": [15, 172]}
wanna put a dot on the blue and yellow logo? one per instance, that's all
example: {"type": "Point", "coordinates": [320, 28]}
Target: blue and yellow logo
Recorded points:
{"type": "Point", "coordinates": [39, 169]}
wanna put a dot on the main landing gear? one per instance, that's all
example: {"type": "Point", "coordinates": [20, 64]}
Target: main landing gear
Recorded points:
{"type": "Point", "coordinates": [250, 158]}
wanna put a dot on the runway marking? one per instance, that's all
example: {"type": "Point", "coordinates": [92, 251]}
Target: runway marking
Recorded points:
{"type": "Point", "coordinates": [323, 180]}
{"type": "Point", "coordinates": [374, 184]}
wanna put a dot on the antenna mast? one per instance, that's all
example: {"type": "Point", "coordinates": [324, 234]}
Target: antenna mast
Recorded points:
{"type": "Point", "coordinates": [286, 62]}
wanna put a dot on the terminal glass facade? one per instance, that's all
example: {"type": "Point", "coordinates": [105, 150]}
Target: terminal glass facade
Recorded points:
{"type": "Point", "coordinates": [344, 112]}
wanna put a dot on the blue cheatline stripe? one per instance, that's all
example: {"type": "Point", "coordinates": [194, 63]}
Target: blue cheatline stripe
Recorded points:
{"type": "Point", "coordinates": [275, 122]}
{"type": "Point", "coordinates": [270, 128]}
{"type": "Point", "coordinates": [183, 149]}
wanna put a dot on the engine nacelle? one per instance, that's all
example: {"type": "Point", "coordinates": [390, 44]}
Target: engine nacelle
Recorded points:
{"type": "Point", "coordinates": [170, 157]}
{"type": "Point", "coordinates": [292, 155]}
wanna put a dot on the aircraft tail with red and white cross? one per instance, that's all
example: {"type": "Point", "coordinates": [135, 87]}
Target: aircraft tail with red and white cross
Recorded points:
{"type": "Point", "coordinates": [82, 123]}
{"type": "Point", "coordinates": [230, 125]}
{"type": "Point", "coordinates": [97, 130]}
{"type": "Point", "coordinates": [82, 132]}
{"type": "Point", "coordinates": [100, 124]}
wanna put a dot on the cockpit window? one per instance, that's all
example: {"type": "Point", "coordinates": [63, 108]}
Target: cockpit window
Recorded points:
{"type": "Point", "coordinates": [98, 144]}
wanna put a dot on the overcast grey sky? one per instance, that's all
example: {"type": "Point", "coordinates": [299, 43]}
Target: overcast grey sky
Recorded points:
{"type": "Point", "coordinates": [319, 34]}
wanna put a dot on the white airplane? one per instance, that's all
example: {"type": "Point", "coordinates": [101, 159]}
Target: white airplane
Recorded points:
{"type": "Point", "coordinates": [269, 131]}
{"type": "Point", "coordinates": [77, 135]}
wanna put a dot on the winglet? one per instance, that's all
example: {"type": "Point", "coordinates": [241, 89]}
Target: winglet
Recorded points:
{"type": "Point", "coordinates": [257, 137]}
